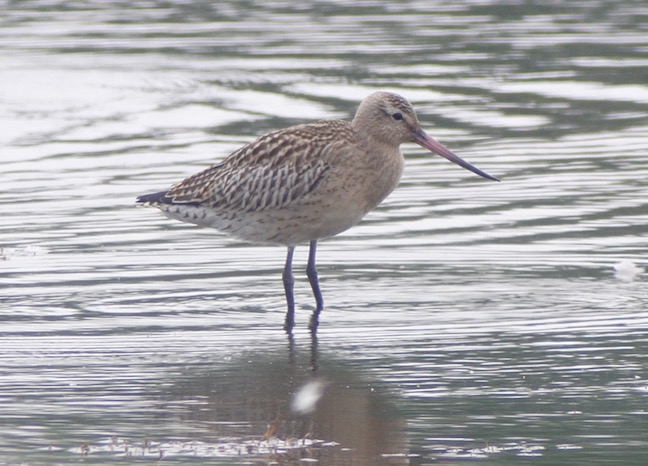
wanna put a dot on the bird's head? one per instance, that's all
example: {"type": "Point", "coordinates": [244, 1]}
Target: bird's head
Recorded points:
{"type": "Point", "coordinates": [390, 119]}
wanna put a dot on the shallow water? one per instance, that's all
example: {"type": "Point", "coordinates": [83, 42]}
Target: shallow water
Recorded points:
{"type": "Point", "coordinates": [464, 319]}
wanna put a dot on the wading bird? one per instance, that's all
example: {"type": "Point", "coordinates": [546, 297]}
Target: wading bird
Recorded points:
{"type": "Point", "coordinates": [304, 183]}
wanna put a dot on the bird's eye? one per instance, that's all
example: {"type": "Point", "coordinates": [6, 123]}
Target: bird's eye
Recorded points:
{"type": "Point", "coordinates": [397, 116]}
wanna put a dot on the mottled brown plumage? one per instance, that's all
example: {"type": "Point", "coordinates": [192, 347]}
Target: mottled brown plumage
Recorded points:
{"type": "Point", "coordinates": [305, 182]}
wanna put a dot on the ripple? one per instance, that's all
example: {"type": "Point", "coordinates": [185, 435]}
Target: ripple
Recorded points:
{"type": "Point", "coordinates": [463, 319]}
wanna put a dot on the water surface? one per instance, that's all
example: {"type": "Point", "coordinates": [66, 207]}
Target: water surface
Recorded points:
{"type": "Point", "coordinates": [464, 320]}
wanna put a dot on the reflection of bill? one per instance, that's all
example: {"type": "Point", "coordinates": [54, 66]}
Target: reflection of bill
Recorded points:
{"type": "Point", "coordinates": [296, 409]}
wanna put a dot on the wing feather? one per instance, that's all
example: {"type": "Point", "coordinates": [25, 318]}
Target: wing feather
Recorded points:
{"type": "Point", "coordinates": [272, 172]}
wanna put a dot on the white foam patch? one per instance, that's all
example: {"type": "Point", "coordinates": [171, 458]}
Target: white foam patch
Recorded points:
{"type": "Point", "coordinates": [627, 271]}
{"type": "Point", "coordinates": [26, 251]}
{"type": "Point", "coordinates": [226, 447]}
{"type": "Point", "coordinates": [306, 398]}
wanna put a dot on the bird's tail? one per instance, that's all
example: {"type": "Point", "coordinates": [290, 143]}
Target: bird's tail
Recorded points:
{"type": "Point", "coordinates": [154, 199]}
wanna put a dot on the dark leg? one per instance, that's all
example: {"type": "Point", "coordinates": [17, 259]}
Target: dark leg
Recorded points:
{"type": "Point", "coordinates": [289, 281]}
{"type": "Point", "coordinates": [311, 271]}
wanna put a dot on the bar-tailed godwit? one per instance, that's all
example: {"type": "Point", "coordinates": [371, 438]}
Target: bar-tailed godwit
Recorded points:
{"type": "Point", "coordinates": [304, 183]}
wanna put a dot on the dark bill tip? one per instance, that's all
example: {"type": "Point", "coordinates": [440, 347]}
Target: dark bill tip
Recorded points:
{"type": "Point", "coordinates": [435, 146]}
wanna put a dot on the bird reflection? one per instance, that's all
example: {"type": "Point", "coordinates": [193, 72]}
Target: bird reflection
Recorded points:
{"type": "Point", "coordinates": [296, 400]}
{"type": "Point", "coordinates": [314, 355]}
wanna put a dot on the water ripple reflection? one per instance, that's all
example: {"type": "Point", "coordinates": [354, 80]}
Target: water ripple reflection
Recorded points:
{"type": "Point", "coordinates": [463, 319]}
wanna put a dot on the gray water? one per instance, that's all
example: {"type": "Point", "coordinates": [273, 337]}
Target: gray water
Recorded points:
{"type": "Point", "coordinates": [464, 319]}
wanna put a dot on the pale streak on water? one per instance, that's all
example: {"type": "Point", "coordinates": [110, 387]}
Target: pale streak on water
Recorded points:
{"type": "Point", "coordinates": [464, 319]}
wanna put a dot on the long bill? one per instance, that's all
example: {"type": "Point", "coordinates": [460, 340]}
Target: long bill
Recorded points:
{"type": "Point", "coordinates": [435, 146]}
